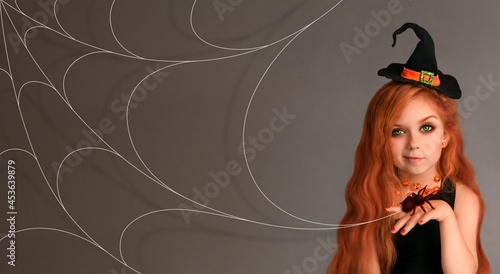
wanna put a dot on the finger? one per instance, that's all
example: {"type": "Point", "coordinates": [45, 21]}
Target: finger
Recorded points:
{"type": "Point", "coordinates": [393, 208]}
{"type": "Point", "coordinates": [402, 222]}
{"type": "Point", "coordinates": [423, 220]}
{"type": "Point", "coordinates": [426, 217]}
{"type": "Point", "coordinates": [410, 224]}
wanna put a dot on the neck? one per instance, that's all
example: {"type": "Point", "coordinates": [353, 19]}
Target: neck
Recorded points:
{"type": "Point", "coordinates": [417, 182]}
{"type": "Point", "coordinates": [421, 178]}
{"type": "Point", "coordinates": [424, 179]}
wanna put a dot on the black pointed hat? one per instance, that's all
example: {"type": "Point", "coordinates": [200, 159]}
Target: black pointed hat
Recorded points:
{"type": "Point", "coordinates": [421, 67]}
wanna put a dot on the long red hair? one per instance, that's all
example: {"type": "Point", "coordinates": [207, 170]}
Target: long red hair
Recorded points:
{"type": "Point", "coordinates": [374, 182]}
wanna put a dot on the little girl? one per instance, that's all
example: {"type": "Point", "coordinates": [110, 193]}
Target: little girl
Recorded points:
{"type": "Point", "coordinates": [410, 157]}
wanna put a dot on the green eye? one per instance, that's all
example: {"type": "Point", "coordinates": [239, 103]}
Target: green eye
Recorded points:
{"type": "Point", "coordinates": [427, 128]}
{"type": "Point", "coordinates": [397, 132]}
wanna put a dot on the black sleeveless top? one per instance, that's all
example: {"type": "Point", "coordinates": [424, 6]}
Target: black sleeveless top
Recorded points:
{"type": "Point", "coordinates": [419, 251]}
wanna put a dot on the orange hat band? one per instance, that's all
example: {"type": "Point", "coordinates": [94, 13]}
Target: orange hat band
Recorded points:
{"type": "Point", "coordinates": [423, 76]}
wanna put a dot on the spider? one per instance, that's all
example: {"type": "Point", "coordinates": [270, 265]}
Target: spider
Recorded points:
{"type": "Point", "coordinates": [414, 200]}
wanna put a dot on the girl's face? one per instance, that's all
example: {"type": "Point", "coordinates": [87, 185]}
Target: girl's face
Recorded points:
{"type": "Point", "coordinates": [417, 139]}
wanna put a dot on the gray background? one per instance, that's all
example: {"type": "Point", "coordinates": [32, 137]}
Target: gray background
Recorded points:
{"type": "Point", "coordinates": [222, 81]}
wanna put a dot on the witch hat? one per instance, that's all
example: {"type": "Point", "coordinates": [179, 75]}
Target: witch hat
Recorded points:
{"type": "Point", "coordinates": [421, 67]}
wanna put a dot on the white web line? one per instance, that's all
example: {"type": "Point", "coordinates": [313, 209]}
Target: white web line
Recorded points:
{"type": "Point", "coordinates": [151, 175]}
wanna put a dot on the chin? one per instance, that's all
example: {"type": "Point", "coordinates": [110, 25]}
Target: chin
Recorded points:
{"type": "Point", "coordinates": [414, 170]}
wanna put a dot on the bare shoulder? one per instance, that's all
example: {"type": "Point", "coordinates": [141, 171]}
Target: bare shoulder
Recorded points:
{"type": "Point", "coordinates": [468, 214]}
{"type": "Point", "coordinates": [466, 201]}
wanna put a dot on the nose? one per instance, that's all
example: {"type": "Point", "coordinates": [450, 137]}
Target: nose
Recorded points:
{"type": "Point", "coordinates": [413, 142]}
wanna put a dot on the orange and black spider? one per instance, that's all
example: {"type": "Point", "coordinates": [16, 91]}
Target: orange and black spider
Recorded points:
{"type": "Point", "coordinates": [414, 200]}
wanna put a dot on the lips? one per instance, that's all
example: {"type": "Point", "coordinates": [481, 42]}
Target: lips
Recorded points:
{"type": "Point", "coordinates": [413, 159]}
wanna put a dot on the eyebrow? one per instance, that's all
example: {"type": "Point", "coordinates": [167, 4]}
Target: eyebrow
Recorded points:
{"type": "Point", "coordinates": [421, 121]}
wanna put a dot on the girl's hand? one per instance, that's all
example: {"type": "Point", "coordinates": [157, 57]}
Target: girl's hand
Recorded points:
{"type": "Point", "coordinates": [441, 212]}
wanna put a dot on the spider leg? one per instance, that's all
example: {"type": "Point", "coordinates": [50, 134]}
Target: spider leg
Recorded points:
{"type": "Point", "coordinates": [423, 208]}
{"type": "Point", "coordinates": [429, 204]}
{"type": "Point", "coordinates": [415, 207]}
